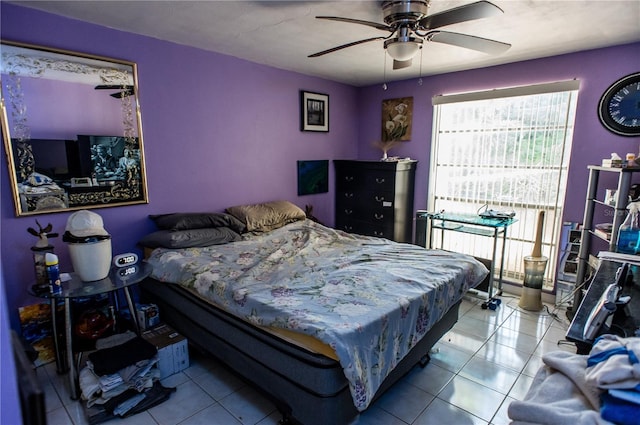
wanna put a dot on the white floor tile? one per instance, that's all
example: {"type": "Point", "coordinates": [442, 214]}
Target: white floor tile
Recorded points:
{"type": "Point", "coordinates": [463, 340]}
{"type": "Point", "coordinates": [405, 401]}
{"type": "Point", "coordinates": [479, 328]}
{"type": "Point", "coordinates": [521, 387]}
{"type": "Point", "coordinates": [489, 374]}
{"type": "Point", "coordinates": [187, 400]}
{"type": "Point", "coordinates": [58, 416]}
{"type": "Point", "coordinates": [219, 384]}
{"type": "Point", "coordinates": [440, 412]}
{"type": "Point", "coordinates": [432, 378]}
{"type": "Point", "coordinates": [472, 397]}
{"type": "Point", "coordinates": [376, 416]}
{"type": "Point", "coordinates": [247, 406]}
{"type": "Point", "coordinates": [504, 355]}
{"type": "Point", "coordinates": [502, 417]}
{"type": "Point", "coordinates": [212, 415]}
{"type": "Point", "coordinates": [449, 357]}
{"type": "Point", "coordinates": [515, 339]}
{"type": "Point", "coordinates": [526, 325]}
{"type": "Point", "coordinates": [534, 363]}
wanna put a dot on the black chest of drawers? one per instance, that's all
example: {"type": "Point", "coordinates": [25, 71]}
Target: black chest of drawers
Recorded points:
{"type": "Point", "coordinates": [375, 198]}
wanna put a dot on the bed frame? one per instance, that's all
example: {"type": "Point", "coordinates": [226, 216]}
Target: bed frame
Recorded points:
{"type": "Point", "coordinates": [307, 388]}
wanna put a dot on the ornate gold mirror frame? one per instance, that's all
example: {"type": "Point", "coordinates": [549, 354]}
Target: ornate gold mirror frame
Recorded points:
{"type": "Point", "coordinates": [72, 130]}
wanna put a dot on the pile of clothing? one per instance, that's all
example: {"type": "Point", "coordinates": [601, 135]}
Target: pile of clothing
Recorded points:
{"type": "Point", "coordinates": [613, 366]}
{"type": "Point", "coordinates": [570, 389]}
{"type": "Point", "coordinates": [121, 378]}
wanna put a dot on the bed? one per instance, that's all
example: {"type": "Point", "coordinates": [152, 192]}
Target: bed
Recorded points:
{"type": "Point", "coordinates": [322, 321]}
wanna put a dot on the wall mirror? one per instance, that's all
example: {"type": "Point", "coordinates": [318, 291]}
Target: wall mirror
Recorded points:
{"type": "Point", "coordinates": [72, 130]}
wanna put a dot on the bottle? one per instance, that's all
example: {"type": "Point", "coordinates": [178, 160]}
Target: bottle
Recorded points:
{"type": "Point", "coordinates": [53, 272]}
{"type": "Point", "coordinates": [629, 232]}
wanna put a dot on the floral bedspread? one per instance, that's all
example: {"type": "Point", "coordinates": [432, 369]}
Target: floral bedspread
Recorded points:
{"type": "Point", "coordinates": [370, 299]}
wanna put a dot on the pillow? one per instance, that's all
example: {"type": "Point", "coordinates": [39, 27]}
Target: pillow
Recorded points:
{"type": "Point", "coordinates": [187, 221]}
{"type": "Point", "coordinates": [189, 238]}
{"type": "Point", "coordinates": [37, 179]}
{"type": "Point", "coordinates": [267, 216]}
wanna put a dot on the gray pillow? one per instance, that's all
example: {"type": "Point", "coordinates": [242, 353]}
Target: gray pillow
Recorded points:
{"type": "Point", "coordinates": [187, 221]}
{"type": "Point", "coordinates": [174, 239]}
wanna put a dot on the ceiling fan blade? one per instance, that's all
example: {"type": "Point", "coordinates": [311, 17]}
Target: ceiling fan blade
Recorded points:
{"type": "Point", "coordinates": [468, 42]}
{"type": "Point", "coordinates": [376, 25]}
{"type": "Point", "coordinates": [113, 87]}
{"type": "Point", "coordinates": [344, 46]}
{"type": "Point", "coordinates": [126, 90]}
{"type": "Point", "coordinates": [402, 64]}
{"type": "Point", "coordinates": [122, 94]}
{"type": "Point", "coordinates": [469, 12]}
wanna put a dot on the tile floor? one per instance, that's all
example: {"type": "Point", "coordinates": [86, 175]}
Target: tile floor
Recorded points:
{"type": "Point", "coordinates": [486, 361]}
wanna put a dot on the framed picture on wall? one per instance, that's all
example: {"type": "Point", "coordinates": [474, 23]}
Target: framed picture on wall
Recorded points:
{"type": "Point", "coordinates": [314, 111]}
{"type": "Point", "coordinates": [397, 117]}
{"type": "Point", "coordinates": [313, 177]}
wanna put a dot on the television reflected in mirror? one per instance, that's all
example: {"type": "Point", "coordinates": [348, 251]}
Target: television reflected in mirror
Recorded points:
{"type": "Point", "coordinates": [72, 130]}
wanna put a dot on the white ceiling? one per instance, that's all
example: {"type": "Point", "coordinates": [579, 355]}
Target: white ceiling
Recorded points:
{"type": "Point", "coordinates": [283, 33]}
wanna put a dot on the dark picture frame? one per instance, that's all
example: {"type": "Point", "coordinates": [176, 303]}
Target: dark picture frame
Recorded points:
{"type": "Point", "coordinates": [313, 177]}
{"type": "Point", "coordinates": [314, 111]}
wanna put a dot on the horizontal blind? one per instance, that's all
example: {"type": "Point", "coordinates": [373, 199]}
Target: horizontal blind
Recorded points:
{"type": "Point", "coordinates": [508, 152]}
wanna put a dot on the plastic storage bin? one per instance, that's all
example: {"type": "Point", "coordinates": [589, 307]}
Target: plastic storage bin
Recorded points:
{"type": "Point", "coordinates": [91, 260]}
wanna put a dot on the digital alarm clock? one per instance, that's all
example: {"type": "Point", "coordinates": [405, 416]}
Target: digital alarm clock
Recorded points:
{"type": "Point", "coordinates": [124, 260]}
{"type": "Point", "coordinates": [127, 271]}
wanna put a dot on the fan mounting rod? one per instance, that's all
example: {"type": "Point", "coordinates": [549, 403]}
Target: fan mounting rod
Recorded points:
{"type": "Point", "coordinates": [404, 12]}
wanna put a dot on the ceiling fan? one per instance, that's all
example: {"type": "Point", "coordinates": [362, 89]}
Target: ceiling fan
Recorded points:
{"type": "Point", "coordinates": [125, 91]}
{"type": "Point", "coordinates": [409, 26]}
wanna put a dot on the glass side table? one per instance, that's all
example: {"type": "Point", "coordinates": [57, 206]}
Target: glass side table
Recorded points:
{"type": "Point", "coordinates": [495, 228]}
{"type": "Point", "coordinates": [119, 279]}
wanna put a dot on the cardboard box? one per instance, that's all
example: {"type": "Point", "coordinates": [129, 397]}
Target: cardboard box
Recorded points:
{"type": "Point", "coordinates": [173, 351]}
{"type": "Point", "coordinates": [148, 315]}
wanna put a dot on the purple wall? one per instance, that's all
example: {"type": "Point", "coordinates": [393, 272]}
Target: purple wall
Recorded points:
{"type": "Point", "coordinates": [596, 70]}
{"type": "Point", "coordinates": [218, 131]}
{"type": "Point", "coordinates": [73, 109]}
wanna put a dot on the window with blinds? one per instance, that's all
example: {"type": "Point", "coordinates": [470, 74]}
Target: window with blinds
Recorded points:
{"type": "Point", "coordinates": [507, 149]}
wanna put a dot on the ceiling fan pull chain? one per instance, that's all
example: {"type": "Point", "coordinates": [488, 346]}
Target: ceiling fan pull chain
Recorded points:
{"type": "Point", "coordinates": [384, 72]}
{"type": "Point", "coordinates": [420, 79]}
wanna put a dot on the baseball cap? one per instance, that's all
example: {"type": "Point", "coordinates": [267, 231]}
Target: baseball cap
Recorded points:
{"type": "Point", "coordinates": [84, 223]}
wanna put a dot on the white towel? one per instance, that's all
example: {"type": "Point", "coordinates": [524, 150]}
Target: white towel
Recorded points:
{"type": "Point", "coordinates": [559, 394]}
{"type": "Point", "coordinates": [617, 365]}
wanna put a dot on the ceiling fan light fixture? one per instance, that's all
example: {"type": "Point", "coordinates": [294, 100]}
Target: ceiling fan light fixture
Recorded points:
{"type": "Point", "coordinates": [403, 49]}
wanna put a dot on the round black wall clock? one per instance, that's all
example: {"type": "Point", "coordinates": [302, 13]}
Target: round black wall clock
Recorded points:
{"type": "Point", "coordinates": [619, 108]}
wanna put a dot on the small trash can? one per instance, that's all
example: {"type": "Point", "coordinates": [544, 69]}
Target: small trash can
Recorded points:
{"type": "Point", "coordinates": [89, 245]}
{"type": "Point", "coordinates": [534, 268]}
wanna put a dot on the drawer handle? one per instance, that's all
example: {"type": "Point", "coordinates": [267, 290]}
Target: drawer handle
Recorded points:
{"type": "Point", "coordinates": [378, 216]}
{"type": "Point", "coordinates": [379, 198]}
{"type": "Point", "coordinates": [348, 178]}
{"type": "Point", "coordinates": [348, 212]}
{"type": "Point", "coordinates": [380, 180]}
{"type": "Point", "coordinates": [348, 195]}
